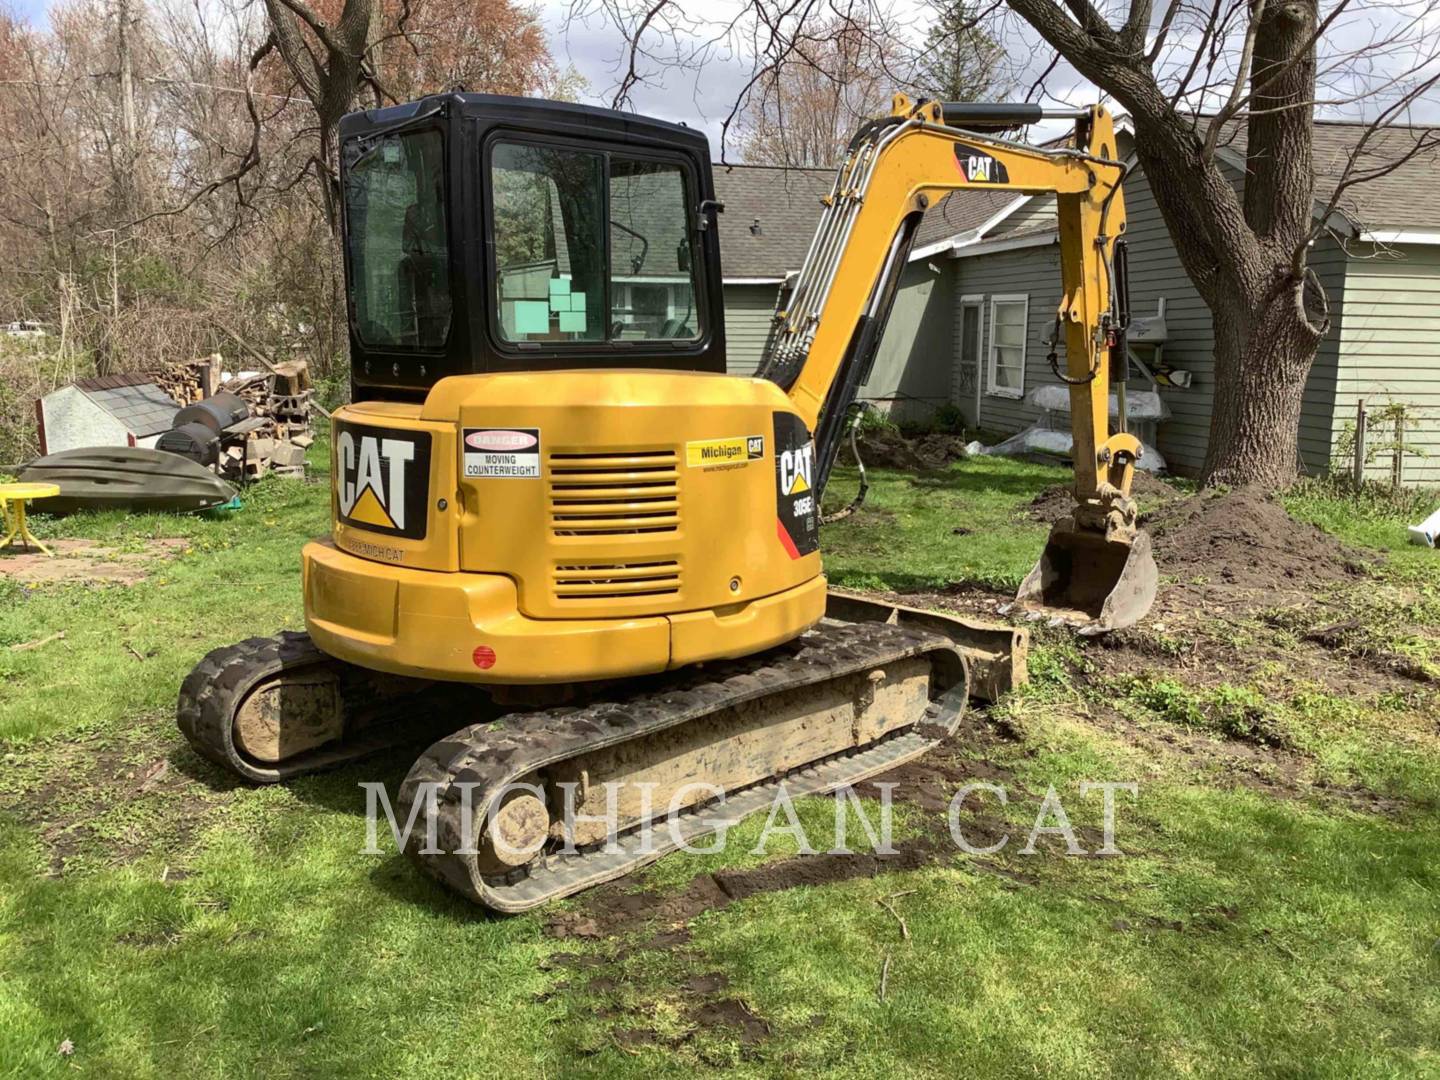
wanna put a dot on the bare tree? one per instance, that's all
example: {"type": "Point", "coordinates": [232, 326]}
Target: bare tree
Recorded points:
{"type": "Point", "coordinates": [1203, 80]}
{"type": "Point", "coordinates": [1248, 75]}
{"type": "Point", "coordinates": [329, 60]}
{"type": "Point", "coordinates": [807, 106]}
{"type": "Point", "coordinates": [157, 165]}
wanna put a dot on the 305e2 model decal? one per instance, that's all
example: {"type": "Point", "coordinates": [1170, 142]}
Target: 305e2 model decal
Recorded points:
{"type": "Point", "coordinates": [797, 517]}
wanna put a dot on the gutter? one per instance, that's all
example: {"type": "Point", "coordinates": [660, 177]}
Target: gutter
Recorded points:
{"type": "Point", "coordinates": [975, 247]}
{"type": "Point", "coordinates": [1400, 236]}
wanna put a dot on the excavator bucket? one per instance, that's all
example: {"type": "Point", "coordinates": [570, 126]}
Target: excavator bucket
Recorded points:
{"type": "Point", "coordinates": [1089, 581]}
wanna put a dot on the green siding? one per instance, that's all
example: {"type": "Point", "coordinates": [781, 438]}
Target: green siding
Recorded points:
{"type": "Point", "coordinates": [747, 323]}
{"type": "Point", "coordinates": [1036, 214]}
{"type": "Point", "coordinates": [1031, 272]}
{"type": "Point", "coordinates": [911, 377]}
{"type": "Point", "coordinates": [911, 374]}
{"type": "Point", "coordinates": [1390, 348]}
{"type": "Point", "coordinates": [1155, 272]}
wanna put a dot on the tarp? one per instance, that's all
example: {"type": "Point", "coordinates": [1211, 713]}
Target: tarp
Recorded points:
{"type": "Point", "coordinates": [1139, 404]}
{"type": "Point", "coordinates": [1039, 440]}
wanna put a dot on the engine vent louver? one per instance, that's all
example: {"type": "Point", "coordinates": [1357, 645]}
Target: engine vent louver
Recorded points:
{"type": "Point", "coordinates": [597, 581]}
{"type": "Point", "coordinates": [613, 494]}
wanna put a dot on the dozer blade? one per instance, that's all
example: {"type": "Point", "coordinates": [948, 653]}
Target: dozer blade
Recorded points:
{"type": "Point", "coordinates": [1091, 582]}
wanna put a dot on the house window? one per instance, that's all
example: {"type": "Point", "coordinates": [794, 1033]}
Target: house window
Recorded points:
{"type": "Point", "coordinates": [1008, 324]}
{"type": "Point", "coordinates": [969, 375]}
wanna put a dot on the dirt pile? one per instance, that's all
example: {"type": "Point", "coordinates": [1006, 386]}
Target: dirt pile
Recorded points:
{"type": "Point", "coordinates": [1056, 502]}
{"type": "Point", "coordinates": [887, 448]}
{"type": "Point", "coordinates": [1246, 539]}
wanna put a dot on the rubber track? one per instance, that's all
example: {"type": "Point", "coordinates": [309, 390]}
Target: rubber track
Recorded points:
{"type": "Point", "coordinates": [217, 686]}
{"type": "Point", "coordinates": [494, 754]}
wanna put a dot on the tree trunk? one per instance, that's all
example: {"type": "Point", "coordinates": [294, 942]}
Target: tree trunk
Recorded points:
{"type": "Point", "coordinates": [1245, 258]}
{"type": "Point", "coordinates": [1263, 355]}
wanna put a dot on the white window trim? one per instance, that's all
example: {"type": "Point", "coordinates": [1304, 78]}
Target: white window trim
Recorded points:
{"type": "Point", "coordinates": [990, 388]}
{"type": "Point", "coordinates": [974, 301]}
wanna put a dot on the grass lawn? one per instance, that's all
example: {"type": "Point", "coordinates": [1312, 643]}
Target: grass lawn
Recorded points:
{"type": "Point", "coordinates": [1277, 908]}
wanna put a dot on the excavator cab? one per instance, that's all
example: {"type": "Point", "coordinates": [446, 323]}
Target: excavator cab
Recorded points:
{"type": "Point", "coordinates": [489, 234]}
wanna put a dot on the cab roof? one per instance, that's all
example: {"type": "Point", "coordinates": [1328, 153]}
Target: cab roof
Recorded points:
{"type": "Point", "coordinates": [527, 111]}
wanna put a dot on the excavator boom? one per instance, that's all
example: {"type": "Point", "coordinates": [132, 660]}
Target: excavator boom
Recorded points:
{"type": "Point", "coordinates": [1097, 571]}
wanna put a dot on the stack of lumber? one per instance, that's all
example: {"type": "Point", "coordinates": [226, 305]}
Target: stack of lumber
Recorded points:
{"type": "Point", "coordinates": [276, 433]}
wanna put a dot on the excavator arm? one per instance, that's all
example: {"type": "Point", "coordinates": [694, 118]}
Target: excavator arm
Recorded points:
{"type": "Point", "coordinates": [1097, 571]}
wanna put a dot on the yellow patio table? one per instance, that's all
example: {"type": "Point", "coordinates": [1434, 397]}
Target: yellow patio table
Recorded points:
{"type": "Point", "coordinates": [13, 497]}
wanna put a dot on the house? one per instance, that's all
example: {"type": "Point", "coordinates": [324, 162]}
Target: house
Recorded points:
{"type": "Point", "coordinates": [109, 410]}
{"type": "Point", "coordinates": [988, 261]}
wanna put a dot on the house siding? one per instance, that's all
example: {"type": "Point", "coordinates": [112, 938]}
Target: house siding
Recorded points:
{"type": "Point", "coordinates": [1030, 272]}
{"type": "Point", "coordinates": [1036, 214]}
{"type": "Point", "coordinates": [1155, 273]}
{"type": "Point", "coordinates": [748, 309]}
{"type": "Point", "coordinates": [911, 375]}
{"type": "Point", "coordinates": [1389, 350]}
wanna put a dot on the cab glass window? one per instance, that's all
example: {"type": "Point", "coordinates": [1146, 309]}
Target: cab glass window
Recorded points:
{"type": "Point", "coordinates": [398, 240]}
{"type": "Point", "coordinates": [652, 291]}
{"type": "Point", "coordinates": [590, 246]}
{"type": "Point", "coordinates": [549, 218]}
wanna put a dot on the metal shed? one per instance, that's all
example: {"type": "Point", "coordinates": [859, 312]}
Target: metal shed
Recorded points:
{"type": "Point", "coordinates": [109, 410]}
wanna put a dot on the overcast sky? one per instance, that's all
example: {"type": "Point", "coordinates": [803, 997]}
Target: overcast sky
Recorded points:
{"type": "Point", "coordinates": [701, 94]}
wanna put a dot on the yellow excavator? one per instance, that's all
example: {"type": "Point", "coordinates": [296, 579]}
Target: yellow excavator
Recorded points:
{"type": "Point", "coordinates": [571, 546]}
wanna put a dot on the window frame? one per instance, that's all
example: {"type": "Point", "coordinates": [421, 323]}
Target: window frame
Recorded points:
{"type": "Point", "coordinates": [452, 235]}
{"type": "Point", "coordinates": [605, 150]}
{"type": "Point", "coordinates": [971, 302]}
{"type": "Point", "coordinates": [992, 358]}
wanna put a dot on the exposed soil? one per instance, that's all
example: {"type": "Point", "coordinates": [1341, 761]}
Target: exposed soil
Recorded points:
{"type": "Point", "coordinates": [1247, 540]}
{"type": "Point", "coordinates": [614, 909]}
{"type": "Point", "coordinates": [1150, 493]}
{"type": "Point", "coordinates": [1240, 539]}
{"type": "Point", "coordinates": [888, 449]}
{"type": "Point", "coordinates": [730, 1013]}
{"type": "Point", "coordinates": [1275, 771]}
{"type": "Point", "coordinates": [707, 1003]}
{"type": "Point", "coordinates": [88, 562]}
{"type": "Point", "coordinates": [80, 799]}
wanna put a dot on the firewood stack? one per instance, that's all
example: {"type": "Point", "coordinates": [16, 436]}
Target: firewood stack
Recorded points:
{"type": "Point", "coordinates": [277, 432]}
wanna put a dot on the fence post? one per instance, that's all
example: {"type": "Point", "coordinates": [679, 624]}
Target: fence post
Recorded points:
{"type": "Point", "coordinates": [1397, 471]}
{"type": "Point", "coordinates": [1359, 466]}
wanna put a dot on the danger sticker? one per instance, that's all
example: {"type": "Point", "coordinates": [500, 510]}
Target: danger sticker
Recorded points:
{"type": "Point", "coordinates": [719, 453]}
{"type": "Point", "coordinates": [501, 453]}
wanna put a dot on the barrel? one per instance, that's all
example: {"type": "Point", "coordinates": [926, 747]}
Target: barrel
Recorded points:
{"type": "Point", "coordinates": [195, 441]}
{"type": "Point", "coordinates": [216, 412]}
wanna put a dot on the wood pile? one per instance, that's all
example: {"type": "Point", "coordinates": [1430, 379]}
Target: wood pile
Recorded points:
{"type": "Point", "coordinates": [278, 431]}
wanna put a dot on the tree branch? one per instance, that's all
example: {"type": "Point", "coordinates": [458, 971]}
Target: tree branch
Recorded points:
{"type": "Point", "coordinates": [1242, 75]}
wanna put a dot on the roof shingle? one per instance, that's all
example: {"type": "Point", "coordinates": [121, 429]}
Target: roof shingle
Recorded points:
{"type": "Point", "coordinates": [771, 214]}
{"type": "Point", "coordinates": [785, 203]}
{"type": "Point", "coordinates": [1408, 197]}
